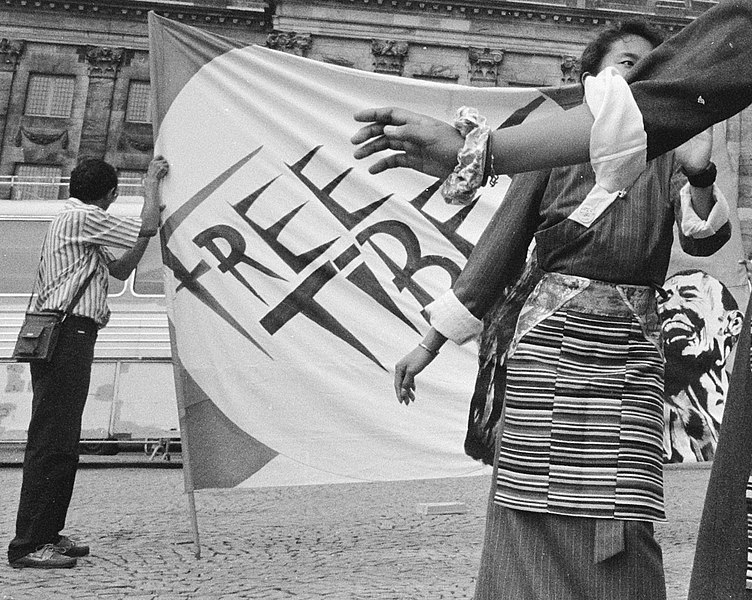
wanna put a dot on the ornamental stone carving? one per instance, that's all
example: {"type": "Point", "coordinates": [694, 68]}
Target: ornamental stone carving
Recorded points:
{"type": "Point", "coordinates": [389, 56]}
{"type": "Point", "coordinates": [290, 42]}
{"type": "Point", "coordinates": [103, 60]}
{"type": "Point", "coordinates": [338, 60]}
{"type": "Point", "coordinates": [10, 53]}
{"type": "Point", "coordinates": [570, 70]}
{"type": "Point", "coordinates": [439, 72]}
{"type": "Point", "coordinates": [140, 143]}
{"type": "Point", "coordinates": [484, 65]}
{"type": "Point", "coordinates": [42, 137]}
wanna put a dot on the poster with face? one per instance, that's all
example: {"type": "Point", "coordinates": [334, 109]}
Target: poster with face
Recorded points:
{"type": "Point", "coordinates": [700, 325]}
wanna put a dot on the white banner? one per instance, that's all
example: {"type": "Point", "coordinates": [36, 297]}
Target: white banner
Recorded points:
{"type": "Point", "coordinates": [295, 279]}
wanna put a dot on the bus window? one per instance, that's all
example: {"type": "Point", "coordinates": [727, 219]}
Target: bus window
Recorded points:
{"type": "Point", "coordinates": [149, 279]}
{"type": "Point", "coordinates": [19, 254]}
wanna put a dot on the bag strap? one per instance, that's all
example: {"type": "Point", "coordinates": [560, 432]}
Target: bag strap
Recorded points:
{"type": "Point", "coordinates": [80, 292]}
{"type": "Point", "coordinates": [31, 296]}
{"type": "Point", "coordinates": [76, 298]}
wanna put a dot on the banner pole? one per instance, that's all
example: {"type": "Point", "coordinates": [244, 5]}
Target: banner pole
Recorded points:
{"type": "Point", "coordinates": [156, 72]}
{"type": "Point", "coordinates": [184, 434]}
{"type": "Point", "coordinates": [185, 447]}
{"type": "Point", "coordinates": [194, 520]}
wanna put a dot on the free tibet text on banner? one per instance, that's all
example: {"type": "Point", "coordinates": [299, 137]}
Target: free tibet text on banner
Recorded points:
{"type": "Point", "coordinates": [294, 279]}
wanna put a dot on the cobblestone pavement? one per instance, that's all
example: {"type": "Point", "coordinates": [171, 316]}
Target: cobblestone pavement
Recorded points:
{"type": "Point", "coordinates": [361, 541]}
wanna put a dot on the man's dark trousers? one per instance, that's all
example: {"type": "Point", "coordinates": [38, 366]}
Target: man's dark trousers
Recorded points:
{"type": "Point", "coordinates": [51, 460]}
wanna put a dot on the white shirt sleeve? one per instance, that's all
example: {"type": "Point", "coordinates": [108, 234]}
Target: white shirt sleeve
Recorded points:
{"type": "Point", "coordinates": [692, 225]}
{"type": "Point", "coordinates": [452, 319]}
{"type": "Point", "coordinates": [618, 142]}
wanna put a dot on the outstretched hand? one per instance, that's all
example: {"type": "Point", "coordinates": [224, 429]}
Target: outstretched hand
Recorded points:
{"type": "Point", "coordinates": [422, 143]}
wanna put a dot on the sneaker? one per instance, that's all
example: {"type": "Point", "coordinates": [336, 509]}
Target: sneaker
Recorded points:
{"type": "Point", "coordinates": [67, 547]}
{"type": "Point", "coordinates": [45, 557]}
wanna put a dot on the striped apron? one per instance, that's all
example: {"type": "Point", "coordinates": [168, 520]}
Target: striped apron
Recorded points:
{"type": "Point", "coordinates": [578, 475]}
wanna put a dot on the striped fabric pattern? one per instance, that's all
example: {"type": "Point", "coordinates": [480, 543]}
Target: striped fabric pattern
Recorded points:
{"type": "Point", "coordinates": [583, 421]}
{"type": "Point", "coordinates": [534, 556]}
{"type": "Point", "coordinates": [75, 246]}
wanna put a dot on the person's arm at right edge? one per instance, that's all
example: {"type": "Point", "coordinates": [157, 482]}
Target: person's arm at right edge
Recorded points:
{"type": "Point", "coordinates": [684, 86]}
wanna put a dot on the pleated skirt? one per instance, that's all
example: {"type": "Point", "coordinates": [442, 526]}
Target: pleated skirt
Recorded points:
{"type": "Point", "coordinates": [541, 556]}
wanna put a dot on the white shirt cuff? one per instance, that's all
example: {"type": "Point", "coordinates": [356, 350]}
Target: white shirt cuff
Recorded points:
{"type": "Point", "coordinates": [452, 319]}
{"type": "Point", "coordinates": [618, 142]}
{"type": "Point", "coordinates": [692, 225]}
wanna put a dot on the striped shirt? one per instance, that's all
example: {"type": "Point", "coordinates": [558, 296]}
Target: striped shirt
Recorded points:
{"type": "Point", "coordinates": [76, 246]}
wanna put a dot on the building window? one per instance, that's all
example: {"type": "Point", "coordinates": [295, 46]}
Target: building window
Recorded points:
{"type": "Point", "coordinates": [37, 182]}
{"type": "Point", "coordinates": [138, 109]}
{"type": "Point", "coordinates": [50, 95]}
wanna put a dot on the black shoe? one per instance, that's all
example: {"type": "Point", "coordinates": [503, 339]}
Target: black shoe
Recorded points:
{"type": "Point", "coordinates": [45, 557]}
{"type": "Point", "coordinates": [67, 547]}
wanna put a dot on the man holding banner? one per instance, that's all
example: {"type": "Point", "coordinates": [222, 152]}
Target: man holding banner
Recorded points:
{"type": "Point", "coordinates": [75, 256]}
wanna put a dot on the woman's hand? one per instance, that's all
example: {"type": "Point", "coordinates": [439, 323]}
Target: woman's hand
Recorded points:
{"type": "Point", "coordinates": [422, 143]}
{"type": "Point", "coordinates": [406, 370]}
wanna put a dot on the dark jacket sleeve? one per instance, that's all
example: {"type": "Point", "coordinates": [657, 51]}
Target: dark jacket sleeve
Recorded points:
{"type": "Point", "coordinates": [706, 246]}
{"type": "Point", "coordinates": [701, 76]}
{"type": "Point", "coordinates": [498, 258]}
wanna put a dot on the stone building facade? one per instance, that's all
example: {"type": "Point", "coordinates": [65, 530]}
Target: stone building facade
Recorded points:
{"type": "Point", "coordinates": [74, 75]}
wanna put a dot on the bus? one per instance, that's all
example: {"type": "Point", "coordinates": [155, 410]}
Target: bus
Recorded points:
{"type": "Point", "coordinates": [132, 392]}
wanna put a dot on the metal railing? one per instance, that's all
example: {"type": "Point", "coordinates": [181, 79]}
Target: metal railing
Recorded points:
{"type": "Point", "coordinates": [15, 187]}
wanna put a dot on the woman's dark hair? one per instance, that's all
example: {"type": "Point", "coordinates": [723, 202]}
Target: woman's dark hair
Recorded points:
{"type": "Point", "coordinates": [92, 179]}
{"type": "Point", "coordinates": [595, 51]}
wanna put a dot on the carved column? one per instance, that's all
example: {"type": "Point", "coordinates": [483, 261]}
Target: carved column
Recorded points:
{"type": "Point", "coordinates": [484, 66]}
{"type": "Point", "coordinates": [290, 42]}
{"type": "Point", "coordinates": [104, 64]}
{"type": "Point", "coordinates": [389, 56]}
{"type": "Point", "coordinates": [570, 70]}
{"type": "Point", "coordinates": [10, 55]}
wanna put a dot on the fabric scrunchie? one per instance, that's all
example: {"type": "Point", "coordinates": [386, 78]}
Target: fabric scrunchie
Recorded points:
{"type": "Point", "coordinates": [463, 183]}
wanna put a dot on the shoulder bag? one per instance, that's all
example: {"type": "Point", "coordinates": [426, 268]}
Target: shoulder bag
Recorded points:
{"type": "Point", "coordinates": [40, 330]}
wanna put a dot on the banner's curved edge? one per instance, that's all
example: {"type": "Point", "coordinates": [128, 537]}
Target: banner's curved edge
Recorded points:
{"type": "Point", "coordinates": [222, 455]}
{"type": "Point", "coordinates": [189, 48]}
